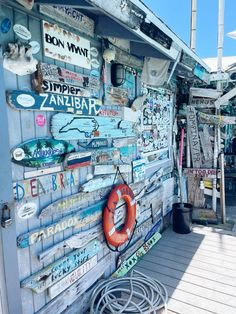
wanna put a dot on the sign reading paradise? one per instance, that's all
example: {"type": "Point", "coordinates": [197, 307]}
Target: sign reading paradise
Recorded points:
{"type": "Point", "coordinates": [65, 46]}
{"type": "Point", "coordinates": [23, 100]}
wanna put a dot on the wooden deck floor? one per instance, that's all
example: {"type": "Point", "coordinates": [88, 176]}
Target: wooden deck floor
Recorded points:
{"type": "Point", "coordinates": [198, 270]}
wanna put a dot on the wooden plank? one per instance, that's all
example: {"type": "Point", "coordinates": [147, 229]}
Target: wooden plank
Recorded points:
{"type": "Point", "coordinates": [72, 277]}
{"type": "Point", "coordinates": [41, 172]}
{"type": "Point", "coordinates": [56, 271]}
{"type": "Point", "coordinates": [111, 169]}
{"type": "Point", "coordinates": [73, 202]}
{"type": "Point", "coordinates": [101, 182]}
{"type": "Point", "coordinates": [81, 128]}
{"type": "Point", "coordinates": [213, 119]}
{"type": "Point", "coordinates": [94, 144]}
{"type": "Point", "coordinates": [70, 295]}
{"type": "Point", "coordinates": [35, 187]}
{"type": "Point", "coordinates": [134, 258]}
{"type": "Point", "coordinates": [206, 144]}
{"type": "Point", "coordinates": [202, 172]}
{"type": "Point", "coordinates": [78, 219]}
{"type": "Point", "coordinates": [23, 100]}
{"type": "Point", "coordinates": [70, 17]}
{"type": "Point", "coordinates": [139, 170]}
{"type": "Point", "coordinates": [194, 137]}
{"type": "Point", "coordinates": [76, 241]}
{"type": "Point", "coordinates": [77, 160]}
{"type": "Point", "coordinates": [120, 142]}
{"type": "Point", "coordinates": [41, 152]}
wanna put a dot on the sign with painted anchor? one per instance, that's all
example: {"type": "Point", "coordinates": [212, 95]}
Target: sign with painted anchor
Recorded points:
{"type": "Point", "coordinates": [24, 100]}
{"type": "Point", "coordinates": [72, 127]}
{"type": "Point", "coordinates": [54, 272]}
{"type": "Point", "coordinates": [77, 219]}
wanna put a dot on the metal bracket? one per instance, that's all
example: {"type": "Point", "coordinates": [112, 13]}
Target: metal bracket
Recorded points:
{"type": "Point", "coordinates": [6, 220]}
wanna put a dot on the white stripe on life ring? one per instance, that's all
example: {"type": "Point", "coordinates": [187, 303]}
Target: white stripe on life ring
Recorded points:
{"type": "Point", "coordinates": [118, 192]}
{"type": "Point", "coordinates": [112, 231]}
{"type": "Point", "coordinates": [128, 233]}
{"type": "Point", "coordinates": [133, 202]}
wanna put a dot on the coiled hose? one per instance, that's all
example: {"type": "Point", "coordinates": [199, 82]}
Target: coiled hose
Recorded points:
{"type": "Point", "coordinates": [135, 294]}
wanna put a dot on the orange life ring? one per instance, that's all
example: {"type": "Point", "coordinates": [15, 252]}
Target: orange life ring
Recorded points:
{"type": "Point", "coordinates": [118, 237]}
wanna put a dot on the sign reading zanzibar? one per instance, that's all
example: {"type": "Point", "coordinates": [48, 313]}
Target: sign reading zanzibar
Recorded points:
{"type": "Point", "coordinates": [23, 100]}
{"type": "Point", "coordinates": [65, 46]}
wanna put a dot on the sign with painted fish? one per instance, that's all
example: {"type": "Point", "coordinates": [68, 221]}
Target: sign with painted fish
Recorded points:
{"type": "Point", "coordinates": [94, 144]}
{"type": "Point", "coordinates": [134, 258]}
{"type": "Point", "coordinates": [54, 272]}
{"type": "Point", "coordinates": [75, 241]}
{"type": "Point", "coordinates": [67, 281]}
{"type": "Point", "coordinates": [34, 187]}
{"type": "Point", "coordinates": [41, 152]}
{"type": "Point", "coordinates": [23, 100]}
{"type": "Point", "coordinates": [101, 182]}
{"type": "Point", "coordinates": [77, 219]}
{"type": "Point", "coordinates": [73, 202]}
{"type": "Point", "coordinates": [70, 17]}
{"type": "Point", "coordinates": [60, 44]}
{"type": "Point", "coordinates": [81, 128]}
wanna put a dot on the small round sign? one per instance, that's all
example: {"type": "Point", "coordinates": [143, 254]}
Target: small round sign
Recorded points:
{"type": "Point", "coordinates": [35, 47]}
{"type": "Point", "coordinates": [18, 154]}
{"type": "Point", "coordinates": [27, 210]}
{"type": "Point", "coordinates": [40, 120]}
{"type": "Point", "coordinates": [5, 25]}
{"type": "Point", "coordinates": [25, 100]}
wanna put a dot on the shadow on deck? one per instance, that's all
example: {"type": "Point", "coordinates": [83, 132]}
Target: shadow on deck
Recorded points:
{"type": "Point", "coordinates": [198, 270]}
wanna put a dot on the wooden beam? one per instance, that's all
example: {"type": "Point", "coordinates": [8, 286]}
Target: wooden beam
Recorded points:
{"type": "Point", "coordinates": [144, 49]}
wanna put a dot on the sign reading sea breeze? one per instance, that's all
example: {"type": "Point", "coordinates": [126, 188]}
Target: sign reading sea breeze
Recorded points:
{"type": "Point", "coordinates": [65, 89]}
{"type": "Point", "coordinates": [45, 184]}
{"type": "Point", "coordinates": [72, 277]}
{"type": "Point", "coordinates": [202, 173]}
{"type": "Point", "coordinates": [65, 46]}
{"type": "Point", "coordinates": [134, 258]}
{"type": "Point", "coordinates": [51, 274]}
{"type": "Point", "coordinates": [23, 100]}
{"type": "Point", "coordinates": [78, 220]}
{"type": "Point", "coordinates": [193, 136]}
{"type": "Point", "coordinates": [70, 17]}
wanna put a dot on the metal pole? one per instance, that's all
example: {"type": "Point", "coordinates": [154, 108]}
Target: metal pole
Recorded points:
{"type": "Point", "coordinates": [193, 25]}
{"type": "Point", "coordinates": [222, 188]}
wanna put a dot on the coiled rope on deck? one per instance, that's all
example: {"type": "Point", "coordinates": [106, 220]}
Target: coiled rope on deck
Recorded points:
{"type": "Point", "coordinates": [134, 294]}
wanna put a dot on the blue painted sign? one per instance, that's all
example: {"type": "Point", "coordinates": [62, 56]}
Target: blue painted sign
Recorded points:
{"type": "Point", "coordinates": [97, 143]}
{"type": "Point", "coordinates": [155, 228]}
{"type": "Point", "coordinates": [5, 25]}
{"type": "Point", "coordinates": [56, 271]}
{"type": "Point", "coordinates": [23, 100]}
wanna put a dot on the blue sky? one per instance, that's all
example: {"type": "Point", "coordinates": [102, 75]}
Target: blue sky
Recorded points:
{"type": "Point", "coordinates": [176, 14]}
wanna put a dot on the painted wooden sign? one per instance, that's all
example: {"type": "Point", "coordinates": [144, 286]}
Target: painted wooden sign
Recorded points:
{"type": "Point", "coordinates": [70, 17]}
{"type": "Point", "coordinates": [155, 228]}
{"type": "Point", "coordinates": [41, 152]}
{"type": "Point", "coordinates": [23, 100]}
{"type": "Point", "coordinates": [120, 142]}
{"type": "Point", "coordinates": [129, 251]}
{"type": "Point", "coordinates": [101, 182]}
{"type": "Point", "coordinates": [72, 277]}
{"type": "Point", "coordinates": [194, 137]}
{"type": "Point", "coordinates": [203, 102]}
{"type": "Point", "coordinates": [63, 88]}
{"type": "Point", "coordinates": [51, 274]}
{"type": "Point", "coordinates": [76, 241]}
{"type": "Point", "coordinates": [139, 170]}
{"type": "Point", "coordinates": [65, 46]}
{"type": "Point", "coordinates": [110, 111]}
{"type": "Point", "coordinates": [116, 96]}
{"type": "Point", "coordinates": [77, 289]}
{"type": "Point", "coordinates": [73, 202]}
{"type": "Point", "coordinates": [28, 4]}
{"type": "Point", "coordinates": [54, 73]}
{"type": "Point", "coordinates": [27, 210]}
{"type": "Point", "coordinates": [76, 160]}
{"type": "Point", "coordinates": [80, 128]}
{"type": "Point", "coordinates": [22, 32]}
{"type": "Point", "coordinates": [94, 144]}
{"type": "Point", "coordinates": [134, 258]}
{"type": "Point", "coordinates": [110, 169]}
{"type": "Point", "coordinates": [202, 173]}
{"type": "Point", "coordinates": [46, 184]}
{"type": "Point", "coordinates": [41, 172]}
{"type": "Point", "coordinates": [213, 119]}
{"type": "Point", "coordinates": [78, 220]}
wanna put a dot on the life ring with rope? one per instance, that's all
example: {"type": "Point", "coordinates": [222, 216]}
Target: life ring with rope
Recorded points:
{"type": "Point", "coordinates": [113, 236]}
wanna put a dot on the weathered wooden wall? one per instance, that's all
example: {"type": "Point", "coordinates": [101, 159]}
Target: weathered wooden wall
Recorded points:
{"type": "Point", "coordinates": [22, 127]}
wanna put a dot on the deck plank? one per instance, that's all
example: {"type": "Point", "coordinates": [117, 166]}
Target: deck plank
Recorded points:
{"type": "Point", "coordinates": [198, 270]}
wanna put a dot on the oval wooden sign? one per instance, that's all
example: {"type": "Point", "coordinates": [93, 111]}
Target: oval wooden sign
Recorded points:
{"type": "Point", "coordinates": [22, 32]}
{"type": "Point", "coordinates": [27, 210]}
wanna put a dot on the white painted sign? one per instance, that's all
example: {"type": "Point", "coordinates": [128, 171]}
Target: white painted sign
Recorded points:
{"type": "Point", "coordinates": [139, 170]}
{"type": "Point", "coordinates": [22, 32]}
{"type": "Point", "coordinates": [72, 277]}
{"type": "Point", "coordinates": [27, 210]}
{"type": "Point", "coordinates": [65, 46]}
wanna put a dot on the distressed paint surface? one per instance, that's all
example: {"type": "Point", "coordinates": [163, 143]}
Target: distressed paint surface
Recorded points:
{"type": "Point", "coordinates": [64, 89]}
{"type": "Point", "coordinates": [72, 277]}
{"type": "Point", "coordinates": [76, 241]}
{"type": "Point", "coordinates": [202, 173]}
{"type": "Point", "coordinates": [81, 128]}
{"type": "Point", "coordinates": [41, 172]}
{"type": "Point", "coordinates": [134, 258]}
{"type": "Point", "coordinates": [94, 144]}
{"type": "Point", "coordinates": [78, 220]}
{"type": "Point", "coordinates": [23, 100]}
{"type": "Point", "coordinates": [36, 187]}
{"type": "Point", "coordinates": [110, 169]}
{"type": "Point", "coordinates": [98, 183]}
{"type": "Point", "coordinates": [54, 272]}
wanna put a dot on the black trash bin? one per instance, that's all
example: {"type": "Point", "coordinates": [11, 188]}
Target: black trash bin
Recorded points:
{"type": "Point", "coordinates": [182, 217]}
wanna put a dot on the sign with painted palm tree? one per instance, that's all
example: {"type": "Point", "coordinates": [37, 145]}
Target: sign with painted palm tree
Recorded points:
{"type": "Point", "coordinates": [41, 152]}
